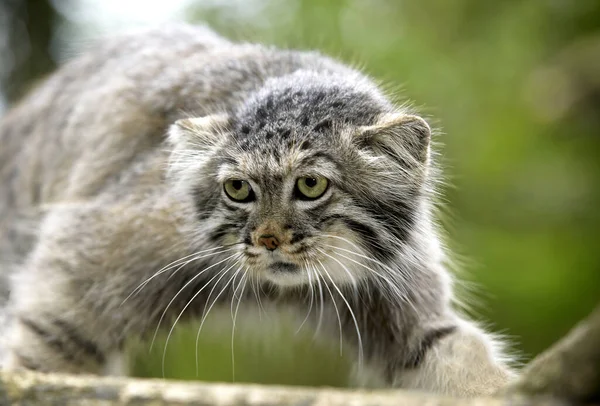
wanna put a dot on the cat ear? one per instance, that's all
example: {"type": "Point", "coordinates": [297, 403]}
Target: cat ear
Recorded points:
{"type": "Point", "coordinates": [404, 137]}
{"type": "Point", "coordinates": [200, 133]}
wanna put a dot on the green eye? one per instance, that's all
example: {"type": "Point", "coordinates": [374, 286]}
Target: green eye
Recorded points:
{"type": "Point", "coordinates": [238, 190]}
{"type": "Point", "coordinates": [311, 187]}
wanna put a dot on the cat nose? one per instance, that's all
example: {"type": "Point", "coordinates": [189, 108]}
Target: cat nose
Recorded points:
{"type": "Point", "coordinates": [269, 241]}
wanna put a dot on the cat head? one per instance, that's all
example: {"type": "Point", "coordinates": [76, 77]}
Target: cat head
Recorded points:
{"type": "Point", "coordinates": [312, 177]}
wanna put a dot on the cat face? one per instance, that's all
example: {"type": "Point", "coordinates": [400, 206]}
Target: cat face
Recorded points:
{"type": "Point", "coordinates": [287, 208]}
{"type": "Point", "coordinates": [328, 201]}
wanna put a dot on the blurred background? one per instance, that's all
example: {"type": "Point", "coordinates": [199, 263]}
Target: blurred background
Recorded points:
{"type": "Point", "coordinates": [514, 89]}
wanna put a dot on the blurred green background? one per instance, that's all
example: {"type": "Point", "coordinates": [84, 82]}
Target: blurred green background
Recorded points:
{"type": "Point", "coordinates": [514, 90]}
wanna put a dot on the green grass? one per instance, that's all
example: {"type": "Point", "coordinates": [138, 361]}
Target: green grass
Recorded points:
{"type": "Point", "coordinates": [265, 351]}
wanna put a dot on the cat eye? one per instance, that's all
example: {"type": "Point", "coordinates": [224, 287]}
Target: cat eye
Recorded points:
{"type": "Point", "coordinates": [311, 187]}
{"type": "Point", "coordinates": [239, 190]}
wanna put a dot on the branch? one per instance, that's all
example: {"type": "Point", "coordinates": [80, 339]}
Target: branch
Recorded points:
{"type": "Point", "coordinates": [32, 388]}
{"type": "Point", "coordinates": [570, 369]}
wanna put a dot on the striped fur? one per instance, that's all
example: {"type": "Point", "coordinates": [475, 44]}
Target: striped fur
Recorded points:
{"type": "Point", "coordinates": [115, 218]}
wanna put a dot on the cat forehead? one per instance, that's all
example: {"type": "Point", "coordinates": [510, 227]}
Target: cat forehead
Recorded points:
{"type": "Point", "coordinates": [259, 165]}
{"type": "Point", "coordinates": [305, 102]}
{"type": "Point", "coordinates": [284, 137]}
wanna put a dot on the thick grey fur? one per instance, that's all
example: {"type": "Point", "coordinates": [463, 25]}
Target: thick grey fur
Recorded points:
{"type": "Point", "coordinates": [112, 168]}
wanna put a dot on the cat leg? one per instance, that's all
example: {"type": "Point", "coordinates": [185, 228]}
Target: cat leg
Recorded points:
{"type": "Point", "coordinates": [425, 348]}
{"type": "Point", "coordinates": [49, 329]}
{"type": "Point", "coordinates": [50, 343]}
{"type": "Point", "coordinates": [70, 302]}
{"type": "Point", "coordinates": [457, 358]}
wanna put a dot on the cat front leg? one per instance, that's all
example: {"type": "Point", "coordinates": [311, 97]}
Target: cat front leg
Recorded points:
{"type": "Point", "coordinates": [457, 359]}
{"type": "Point", "coordinates": [427, 348]}
{"type": "Point", "coordinates": [53, 328]}
{"type": "Point", "coordinates": [80, 294]}
{"type": "Point", "coordinates": [48, 342]}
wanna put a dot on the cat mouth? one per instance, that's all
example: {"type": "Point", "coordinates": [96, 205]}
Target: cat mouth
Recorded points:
{"type": "Point", "coordinates": [284, 267]}
{"type": "Point", "coordinates": [278, 268]}
{"type": "Point", "coordinates": [283, 273]}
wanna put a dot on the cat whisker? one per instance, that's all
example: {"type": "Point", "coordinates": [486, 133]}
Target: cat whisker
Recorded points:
{"type": "Point", "coordinates": [399, 270]}
{"type": "Point", "coordinates": [196, 256]}
{"type": "Point", "coordinates": [359, 337]}
{"type": "Point", "coordinates": [361, 249]}
{"type": "Point", "coordinates": [334, 306]}
{"type": "Point", "coordinates": [358, 247]}
{"type": "Point", "coordinates": [343, 239]}
{"type": "Point", "coordinates": [185, 286]}
{"type": "Point", "coordinates": [395, 287]}
{"type": "Point", "coordinates": [359, 255]}
{"type": "Point", "coordinates": [204, 311]}
{"type": "Point", "coordinates": [189, 302]}
{"type": "Point", "coordinates": [207, 310]}
{"type": "Point", "coordinates": [354, 283]}
{"type": "Point", "coordinates": [350, 276]}
{"type": "Point", "coordinates": [310, 286]}
{"type": "Point", "coordinates": [318, 278]}
{"type": "Point", "coordinates": [237, 307]}
{"type": "Point", "coordinates": [159, 272]}
{"type": "Point", "coordinates": [194, 259]}
{"type": "Point", "coordinates": [255, 290]}
{"type": "Point", "coordinates": [261, 293]}
{"type": "Point", "coordinates": [234, 294]}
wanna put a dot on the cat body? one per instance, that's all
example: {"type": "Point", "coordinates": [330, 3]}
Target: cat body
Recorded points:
{"type": "Point", "coordinates": [170, 169]}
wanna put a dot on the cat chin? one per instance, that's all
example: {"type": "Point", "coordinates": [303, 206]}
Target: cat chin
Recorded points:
{"type": "Point", "coordinates": [285, 279]}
